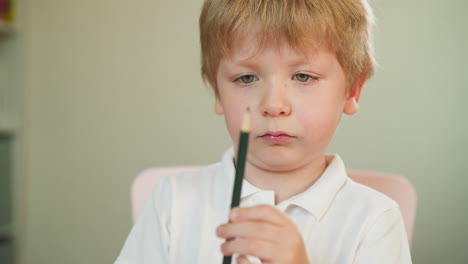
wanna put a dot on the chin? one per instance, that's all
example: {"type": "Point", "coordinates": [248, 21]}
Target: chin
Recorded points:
{"type": "Point", "coordinates": [280, 160]}
{"type": "Point", "coordinates": [275, 163]}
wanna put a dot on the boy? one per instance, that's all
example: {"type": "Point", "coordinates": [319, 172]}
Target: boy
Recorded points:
{"type": "Point", "coordinates": [298, 65]}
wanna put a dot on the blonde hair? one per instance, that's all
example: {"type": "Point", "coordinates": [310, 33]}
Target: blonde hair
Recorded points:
{"type": "Point", "coordinates": [342, 25]}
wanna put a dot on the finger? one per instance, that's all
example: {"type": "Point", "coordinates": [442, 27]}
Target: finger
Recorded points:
{"type": "Point", "coordinates": [266, 213]}
{"type": "Point", "coordinates": [243, 260]}
{"type": "Point", "coordinates": [251, 247]}
{"type": "Point", "coordinates": [249, 229]}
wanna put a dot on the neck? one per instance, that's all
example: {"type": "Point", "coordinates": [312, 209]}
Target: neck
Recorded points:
{"type": "Point", "coordinates": [286, 184]}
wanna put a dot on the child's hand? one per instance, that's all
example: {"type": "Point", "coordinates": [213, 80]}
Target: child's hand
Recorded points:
{"type": "Point", "coordinates": [265, 232]}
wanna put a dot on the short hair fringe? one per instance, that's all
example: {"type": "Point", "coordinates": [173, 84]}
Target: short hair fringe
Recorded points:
{"type": "Point", "coordinates": [345, 26]}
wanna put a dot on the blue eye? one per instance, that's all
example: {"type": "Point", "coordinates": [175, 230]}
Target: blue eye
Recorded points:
{"type": "Point", "coordinates": [247, 79]}
{"type": "Point", "coordinates": [302, 77]}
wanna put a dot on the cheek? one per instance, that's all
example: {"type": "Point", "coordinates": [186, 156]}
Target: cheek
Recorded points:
{"type": "Point", "coordinates": [320, 121]}
{"type": "Point", "coordinates": [233, 118]}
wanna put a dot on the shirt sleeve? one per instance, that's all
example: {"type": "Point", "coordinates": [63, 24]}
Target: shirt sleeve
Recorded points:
{"type": "Point", "coordinates": [148, 241]}
{"type": "Point", "coordinates": [385, 242]}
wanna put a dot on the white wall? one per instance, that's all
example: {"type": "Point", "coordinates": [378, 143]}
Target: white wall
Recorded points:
{"type": "Point", "coordinates": [113, 87]}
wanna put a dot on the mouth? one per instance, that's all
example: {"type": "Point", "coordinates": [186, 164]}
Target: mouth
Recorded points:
{"type": "Point", "coordinates": [276, 137]}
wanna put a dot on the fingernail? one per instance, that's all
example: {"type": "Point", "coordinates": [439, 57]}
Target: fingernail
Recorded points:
{"type": "Point", "coordinates": [234, 215]}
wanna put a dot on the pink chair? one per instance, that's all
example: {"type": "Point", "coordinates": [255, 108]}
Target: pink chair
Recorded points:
{"type": "Point", "coordinates": [144, 184]}
{"type": "Point", "coordinates": [394, 186]}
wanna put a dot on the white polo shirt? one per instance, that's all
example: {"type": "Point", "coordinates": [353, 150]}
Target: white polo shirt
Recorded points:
{"type": "Point", "coordinates": [340, 220]}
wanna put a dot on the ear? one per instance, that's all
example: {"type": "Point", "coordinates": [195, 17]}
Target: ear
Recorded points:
{"type": "Point", "coordinates": [219, 110]}
{"type": "Point", "coordinates": [352, 101]}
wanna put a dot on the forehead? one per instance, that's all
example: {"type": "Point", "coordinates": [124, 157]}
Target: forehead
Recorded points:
{"type": "Point", "coordinates": [247, 45]}
{"type": "Point", "coordinates": [254, 36]}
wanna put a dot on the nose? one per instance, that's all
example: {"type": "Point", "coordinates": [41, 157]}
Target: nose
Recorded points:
{"type": "Point", "coordinates": [274, 102]}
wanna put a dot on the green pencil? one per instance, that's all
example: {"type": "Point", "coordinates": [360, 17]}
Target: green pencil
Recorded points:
{"type": "Point", "coordinates": [240, 166]}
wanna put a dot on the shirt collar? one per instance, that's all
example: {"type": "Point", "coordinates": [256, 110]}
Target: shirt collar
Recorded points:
{"type": "Point", "coordinates": [316, 199]}
{"type": "Point", "coordinates": [319, 197]}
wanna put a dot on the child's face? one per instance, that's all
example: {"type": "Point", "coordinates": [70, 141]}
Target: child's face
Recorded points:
{"type": "Point", "coordinates": [296, 101]}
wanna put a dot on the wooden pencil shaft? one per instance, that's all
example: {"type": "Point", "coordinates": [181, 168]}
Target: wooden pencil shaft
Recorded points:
{"type": "Point", "coordinates": [239, 178]}
{"type": "Point", "coordinates": [240, 167]}
{"type": "Point", "coordinates": [227, 259]}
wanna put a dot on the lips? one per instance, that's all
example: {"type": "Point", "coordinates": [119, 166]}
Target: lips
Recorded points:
{"type": "Point", "coordinates": [276, 137]}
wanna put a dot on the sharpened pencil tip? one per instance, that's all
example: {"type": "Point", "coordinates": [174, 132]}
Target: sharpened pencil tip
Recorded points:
{"type": "Point", "coordinates": [246, 122]}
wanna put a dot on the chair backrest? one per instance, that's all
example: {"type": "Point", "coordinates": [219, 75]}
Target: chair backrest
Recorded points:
{"type": "Point", "coordinates": [394, 186]}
